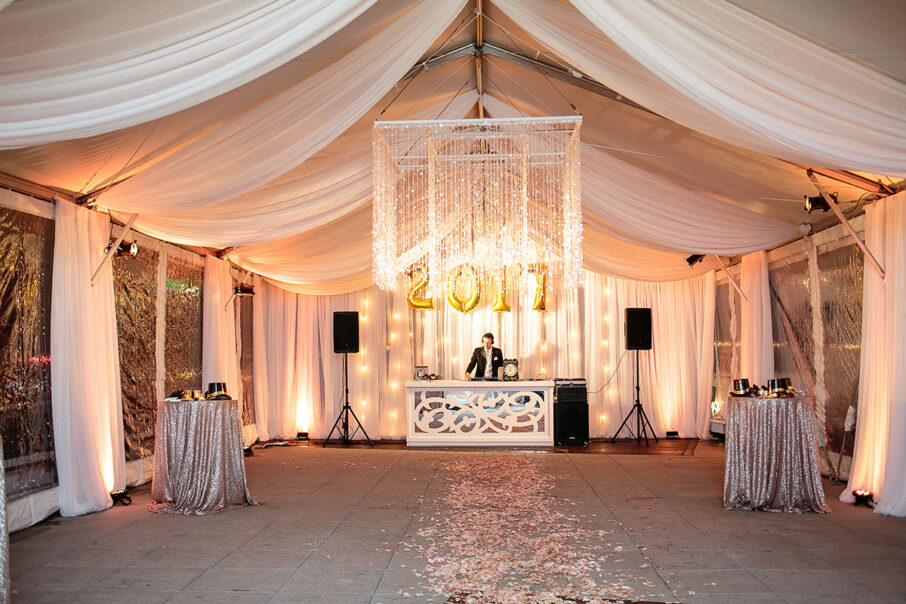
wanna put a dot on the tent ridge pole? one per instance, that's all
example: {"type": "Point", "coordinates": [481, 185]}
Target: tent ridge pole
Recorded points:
{"type": "Point", "coordinates": [730, 277]}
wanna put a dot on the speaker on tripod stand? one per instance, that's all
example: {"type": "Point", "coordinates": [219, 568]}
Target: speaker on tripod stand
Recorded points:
{"type": "Point", "coordinates": [346, 341]}
{"type": "Point", "coordinates": [638, 337]}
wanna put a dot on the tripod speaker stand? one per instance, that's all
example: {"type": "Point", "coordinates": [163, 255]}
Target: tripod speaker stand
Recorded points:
{"type": "Point", "coordinates": [638, 337]}
{"type": "Point", "coordinates": [342, 423]}
{"type": "Point", "coordinates": [346, 340]}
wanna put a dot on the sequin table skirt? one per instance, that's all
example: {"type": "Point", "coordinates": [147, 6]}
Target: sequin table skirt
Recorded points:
{"type": "Point", "coordinates": [772, 456]}
{"type": "Point", "coordinates": [198, 463]}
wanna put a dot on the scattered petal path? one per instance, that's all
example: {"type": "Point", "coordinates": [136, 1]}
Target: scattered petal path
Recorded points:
{"type": "Point", "coordinates": [498, 534]}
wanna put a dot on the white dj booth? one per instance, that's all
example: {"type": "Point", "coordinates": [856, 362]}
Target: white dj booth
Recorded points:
{"type": "Point", "coordinates": [477, 413]}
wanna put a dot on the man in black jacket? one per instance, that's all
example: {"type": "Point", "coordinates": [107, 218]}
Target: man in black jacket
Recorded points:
{"type": "Point", "coordinates": [486, 359]}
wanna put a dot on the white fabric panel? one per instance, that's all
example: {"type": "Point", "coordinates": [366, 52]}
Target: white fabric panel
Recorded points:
{"type": "Point", "coordinates": [274, 362]}
{"type": "Point", "coordinates": [756, 340]}
{"type": "Point", "coordinates": [334, 182]}
{"type": "Point", "coordinates": [636, 206]}
{"type": "Point", "coordinates": [80, 68]}
{"type": "Point", "coordinates": [841, 26]}
{"type": "Point", "coordinates": [276, 135]}
{"type": "Point", "coordinates": [85, 373]}
{"type": "Point", "coordinates": [608, 255]}
{"type": "Point", "coordinates": [879, 456]}
{"type": "Point", "coordinates": [703, 330]}
{"type": "Point", "coordinates": [24, 203]}
{"type": "Point", "coordinates": [219, 352]}
{"type": "Point", "coordinates": [675, 375]}
{"type": "Point", "coordinates": [32, 509]}
{"type": "Point", "coordinates": [791, 93]}
{"type": "Point", "coordinates": [731, 75]}
{"type": "Point", "coordinates": [892, 500]}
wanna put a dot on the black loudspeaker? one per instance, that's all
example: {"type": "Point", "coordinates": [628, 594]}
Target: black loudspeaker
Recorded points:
{"type": "Point", "coordinates": [638, 329]}
{"type": "Point", "coordinates": [346, 331]}
{"type": "Point", "coordinates": [571, 423]}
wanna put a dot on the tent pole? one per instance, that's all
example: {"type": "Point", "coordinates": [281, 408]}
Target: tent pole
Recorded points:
{"type": "Point", "coordinates": [479, 42]}
{"type": "Point", "coordinates": [730, 277]}
{"type": "Point", "coordinates": [849, 229]}
{"type": "Point", "coordinates": [112, 250]}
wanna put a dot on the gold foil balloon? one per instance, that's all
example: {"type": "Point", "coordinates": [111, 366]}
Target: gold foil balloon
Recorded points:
{"type": "Point", "coordinates": [470, 301]}
{"type": "Point", "coordinates": [416, 298]}
{"type": "Point", "coordinates": [540, 272]}
{"type": "Point", "coordinates": [500, 302]}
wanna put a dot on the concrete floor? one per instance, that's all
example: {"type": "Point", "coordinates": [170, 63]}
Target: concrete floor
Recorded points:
{"type": "Point", "coordinates": [345, 525]}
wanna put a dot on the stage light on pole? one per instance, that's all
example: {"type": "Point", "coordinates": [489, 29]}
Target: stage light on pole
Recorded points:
{"type": "Point", "coordinates": [817, 203]}
{"type": "Point", "coordinates": [124, 249]}
{"type": "Point", "coordinates": [694, 259]}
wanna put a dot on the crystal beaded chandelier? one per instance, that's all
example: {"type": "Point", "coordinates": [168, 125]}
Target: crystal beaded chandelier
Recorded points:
{"type": "Point", "coordinates": [488, 199]}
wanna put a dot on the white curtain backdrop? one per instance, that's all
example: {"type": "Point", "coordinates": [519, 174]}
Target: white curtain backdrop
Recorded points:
{"type": "Point", "coordinates": [579, 336]}
{"type": "Point", "coordinates": [723, 71]}
{"type": "Point", "coordinates": [675, 375]}
{"type": "Point", "coordinates": [756, 341]}
{"type": "Point", "coordinates": [275, 329]}
{"type": "Point", "coordinates": [142, 60]}
{"type": "Point", "coordinates": [219, 352]}
{"type": "Point", "coordinates": [879, 455]}
{"type": "Point", "coordinates": [85, 367]}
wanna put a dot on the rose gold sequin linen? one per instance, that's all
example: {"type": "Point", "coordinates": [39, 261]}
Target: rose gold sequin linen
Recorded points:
{"type": "Point", "coordinates": [772, 456]}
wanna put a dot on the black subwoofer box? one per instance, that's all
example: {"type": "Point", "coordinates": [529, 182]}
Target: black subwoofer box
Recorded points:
{"type": "Point", "coordinates": [571, 423]}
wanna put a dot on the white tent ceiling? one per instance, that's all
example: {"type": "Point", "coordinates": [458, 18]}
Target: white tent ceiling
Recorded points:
{"type": "Point", "coordinates": [246, 125]}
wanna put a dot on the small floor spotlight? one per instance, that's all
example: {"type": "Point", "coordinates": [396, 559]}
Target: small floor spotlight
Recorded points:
{"type": "Point", "coordinates": [302, 436]}
{"type": "Point", "coordinates": [672, 435]}
{"type": "Point", "coordinates": [863, 497]}
{"type": "Point", "coordinates": [694, 259]}
{"type": "Point", "coordinates": [120, 497]}
{"type": "Point", "coordinates": [817, 203]}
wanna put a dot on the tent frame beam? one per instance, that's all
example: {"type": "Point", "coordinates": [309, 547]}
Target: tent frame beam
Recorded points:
{"type": "Point", "coordinates": [849, 229]}
{"type": "Point", "coordinates": [571, 77]}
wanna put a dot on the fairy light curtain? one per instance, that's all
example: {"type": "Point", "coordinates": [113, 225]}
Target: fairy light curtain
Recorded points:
{"type": "Point", "coordinates": [463, 201]}
{"type": "Point", "coordinates": [581, 334]}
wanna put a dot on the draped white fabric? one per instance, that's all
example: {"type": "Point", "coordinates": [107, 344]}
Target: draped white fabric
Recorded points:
{"type": "Point", "coordinates": [332, 184]}
{"type": "Point", "coordinates": [275, 365]}
{"type": "Point", "coordinates": [219, 352]}
{"type": "Point", "coordinates": [85, 367]}
{"type": "Point", "coordinates": [756, 341]}
{"type": "Point", "coordinates": [338, 253]}
{"type": "Point", "coordinates": [728, 73]}
{"type": "Point", "coordinates": [879, 455]}
{"type": "Point", "coordinates": [619, 198]}
{"type": "Point", "coordinates": [276, 135]}
{"type": "Point", "coordinates": [580, 335]}
{"type": "Point", "coordinates": [675, 376]}
{"type": "Point", "coordinates": [142, 60]}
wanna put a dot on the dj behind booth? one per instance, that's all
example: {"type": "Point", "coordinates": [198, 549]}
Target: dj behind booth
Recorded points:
{"type": "Point", "coordinates": [495, 407]}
